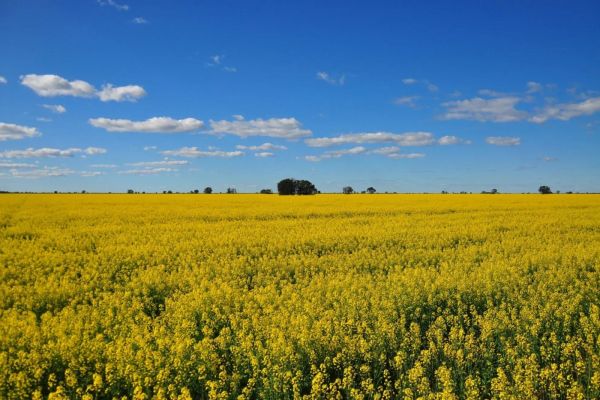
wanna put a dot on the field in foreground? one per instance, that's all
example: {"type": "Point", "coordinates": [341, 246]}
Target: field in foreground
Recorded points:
{"type": "Point", "coordinates": [328, 296]}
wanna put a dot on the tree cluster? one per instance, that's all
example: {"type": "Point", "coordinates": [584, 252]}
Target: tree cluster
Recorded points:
{"type": "Point", "coordinates": [290, 186]}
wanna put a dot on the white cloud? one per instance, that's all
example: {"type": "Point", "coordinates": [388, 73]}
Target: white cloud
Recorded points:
{"type": "Point", "coordinates": [264, 154]}
{"type": "Point", "coordinates": [503, 140]}
{"type": "Point", "coordinates": [386, 150]}
{"type": "Point", "coordinates": [400, 139]}
{"type": "Point", "coordinates": [54, 85]}
{"type": "Point", "coordinates": [491, 93]}
{"type": "Point", "coordinates": [566, 111]}
{"type": "Point", "coordinates": [45, 172]}
{"type": "Point", "coordinates": [3, 80]}
{"type": "Point", "coordinates": [16, 132]}
{"type": "Point", "coordinates": [549, 159]}
{"type": "Point", "coordinates": [162, 163]}
{"type": "Point", "coordinates": [409, 81]}
{"type": "Point", "coordinates": [103, 166]}
{"type": "Point", "coordinates": [55, 108]}
{"type": "Point", "coordinates": [264, 146]}
{"type": "Point", "coordinates": [113, 3]}
{"type": "Point", "coordinates": [534, 87]}
{"type": "Point", "coordinates": [121, 93]}
{"type": "Point", "coordinates": [147, 171]}
{"type": "Point", "coordinates": [337, 153]}
{"type": "Point", "coordinates": [406, 156]}
{"type": "Point", "coordinates": [287, 128]}
{"type": "Point", "coordinates": [139, 20]}
{"type": "Point", "coordinates": [151, 125]}
{"type": "Point", "coordinates": [91, 173]}
{"type": "Point", "coordinates": [430, 86]}
{"type": "Point", "coordinates": [451, 139]}
{"type": "Point", "coordinates": [44, 119]}
{"type": "Point", "coordinates": [408, 101]}
{"type": "Point", "coordinates": [150, 148]}
{"type": "Point", "coordinates": [196, 153]}
{"type": "Point", "coordinates": [326, 77]}
{"type": "Point", "coordinates": [229, 69]}
{"type": "Point", "coordinates": [216, 59]}
{"type": "Point", "coordinates": [92, 151]}
{"type": "Point", "coordinates": [16, 165]}
{"type": "Point", "coordinates": [50, 152]}
{"type": "Point", "coordinates": [501, 109]}
{"type": "Point", "coordinates": [412, 81]}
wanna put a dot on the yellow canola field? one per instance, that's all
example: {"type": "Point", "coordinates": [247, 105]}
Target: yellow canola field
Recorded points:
{"type": "Point", "coordinates": [319, 297]}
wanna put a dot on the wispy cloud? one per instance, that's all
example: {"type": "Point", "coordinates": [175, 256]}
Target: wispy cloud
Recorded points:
{"type": "Point", "coordinates": [55, 108]}
{"type": "Point", "coordinates": [566, 111]}
{"type": "Point", "coordinates": [400, 139]}
{"type": "Point", "coordinates": [194, 152]}
{"type": "Point", "coordinates": [104, 166]}
{"type": "Point", "coordinates": [139, 20]}
{"type": "Point", "coordinates": [549, 159]}
{"type": "Point", "coordinates": [264, 146]}
{"type": "Point", "coordinates": [148, 171]}
{"type": "Point", "coordinates": [390, 152]}
{"type": "Point", "coordinates": [151, 125]}
{"type": "Point", "coordinates": [286, 128]}
{"type": "Point", "coordinates": [162, 163]}
{"type": "Point", "coordinates": [264, 154]}
{"type": "Point", "coordinates": [451, 139]}
{"type": "Point", "coordinates": [16, 132]}
{"type": "Point", "coordinates": [503, 140]}
{"type": "Point", "coordinates": [114, 4]}
{"type": "Point", "coordinates": [217, 61]}
{"type": "Point", "coordinates": [49, 152]}
{"type": "Point", "coordinates": [428, 85]}
{"type": "Point", "coordinates": [54, 85]}
{"type": "Point", "coordinates": [3, 80]}
{"type": "Point", "coordinates": [44, 172]}
{"type": "Point", "coordinates": [326, 77]}
{"type": "Point", "coordinates": [501, 109]}
{"type": "Point", "coordinates": [534, 87]}
{"type": "Point", "coordinates": [407, 101]}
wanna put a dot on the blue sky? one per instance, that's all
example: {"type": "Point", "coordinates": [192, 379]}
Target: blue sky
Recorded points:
{"type": "Point", "coordinates": [107, 95]}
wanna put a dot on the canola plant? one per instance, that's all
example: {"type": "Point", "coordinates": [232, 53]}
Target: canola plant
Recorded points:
{"type": "Point", "coordinates": [317, 297]}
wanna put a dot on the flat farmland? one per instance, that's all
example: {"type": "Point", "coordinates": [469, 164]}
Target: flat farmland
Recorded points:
{"type": "Point", "coordinates": [327, 296]}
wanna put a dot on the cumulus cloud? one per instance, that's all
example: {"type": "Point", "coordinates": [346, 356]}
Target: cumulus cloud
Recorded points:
{"type": "Point", "coordinates": [264, 146]}
{"type": "Point", "coordinates": [54, 85]}
{"type": "Point", "coordinates": [501, 109]}
{"type": "Point", "coordinates": [16, 132]}
{"type": "Point", "coordinates": [386, 150]}
{"type": "Point", "coordinates": [122, 93]}
{"type": "Point", "coordinates": [407, 101]}
{"type": "Point", "coordinates": [151, 125]}
{"type": "Point", "coordinates": [45, 152]}
{"type": "Point", "coordinates": [287, 128]}
{"type": "Point", "coordinates": [264, 154]}
{"type": "Point", "coordinates": [566, 111]}
{"type": "Point", "coordinates": [326, 77]}
{"type": "Point", "coordinates": [148, 171]}
{"type": "Point", "coordinates": [162, 163]}
{"type": "Point", "coordinates": [55, 108]}
{"type": "Point", "coordinates": [194, 152]}
{"type": "Point", "coordinates": [409, 81]}
{"type": "Point", "coordinates": [503, 140]}
{"type": "Point", "coordinates": [337, 153]}
{"type": "Point", "coordinates": [3, 80]}
{"type": "Point", "coordinates": [400, 139]}
{"type": "Point", "coordinates": [114, 4]}
{"type": "Point", "coordinates": [139, 20]}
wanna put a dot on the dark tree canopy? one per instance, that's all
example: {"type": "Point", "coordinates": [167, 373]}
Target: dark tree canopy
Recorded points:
{"type": "Point", "coordinates": [207, 190]}
{"type": "Point", "coordinates": [231, 190]}
{"type": "Point", "coordinates": [290, 186]}
{"type": "Point", "coordinates": [347, 190]}
{"type": "Point", "coordinates": [545, 190]}
{"type": "Point", "coordinates": [371, 190]}
{"type": "Point", "coordinates": [266, 191]}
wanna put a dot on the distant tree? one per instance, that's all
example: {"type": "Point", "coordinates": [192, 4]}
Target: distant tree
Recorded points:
{"type": "Point", "coordinates": [371, 190]}
{"type": "Point", "coordinates": [304, 187]}
{"type": "Point", "coordinates": [231, 190]}
{"type": "Point", "coordinates": [196, 191]}
{"type": "Point", "coordinates": [347, 190]}
{"type": "Point", "coordinates": [56, 192]}
{"type": "Point", "coordinates": [494, 191]}
{"type": "Point", "coordinates": [444, 192]}
{"type": "Point", "coordinates": [266, 191]}
{"type": "Point", "coordinates": [286, 186]}
{"type": "Point", "coordinates": [130, 191]}
{"type": "Point", "coordinates": [169, 192]}
{"type": "Point", "coordinates": [83, 192]}
{"type": "Point", "coordinates": [291, 186]}
{"type": "Point", "coordinates": [208, 190]}
{"type": "Point", "coordinates": [545, 190]}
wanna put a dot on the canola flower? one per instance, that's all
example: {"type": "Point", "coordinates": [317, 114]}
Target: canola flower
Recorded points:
{"type": "Point", "coordinates": [321, 297]}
